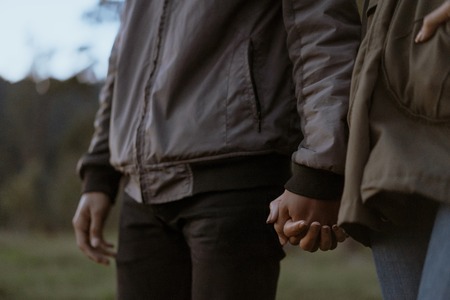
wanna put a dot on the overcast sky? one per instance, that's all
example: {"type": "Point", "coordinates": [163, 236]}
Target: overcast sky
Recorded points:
{"type": "Point", "coordinates": [52, 31]}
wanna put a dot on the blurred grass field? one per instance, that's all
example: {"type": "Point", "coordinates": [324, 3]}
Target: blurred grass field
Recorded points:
{"type": "Point", "coordinates": [38, 266]}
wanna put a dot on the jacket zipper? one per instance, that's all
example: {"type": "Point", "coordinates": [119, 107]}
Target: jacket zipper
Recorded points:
{"type": "Point", "coordinates": [140, 138]}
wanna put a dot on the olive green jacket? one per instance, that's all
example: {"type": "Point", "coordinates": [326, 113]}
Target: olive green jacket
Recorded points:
{"type": "Point", "coordinates": [399, 118]}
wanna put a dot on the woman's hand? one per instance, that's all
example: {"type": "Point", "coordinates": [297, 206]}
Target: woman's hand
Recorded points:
{"type": "Point", "coordinates": [432, 21]}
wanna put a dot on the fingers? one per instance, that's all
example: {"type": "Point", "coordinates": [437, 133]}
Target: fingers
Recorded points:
{"type": "Point", "coordinates": [326, 239]}
{"type": "Point", "coordinates": [273, 214]}
{"type": "Point", "coordinates": [99, 248]}
{"type": "Point", "coordinates": [310, 242]}
{"type": "Point", "coordinates": [297, 228]}
{"type": "Point", "coordinates": [314, 237]}
{"type": "Point", "coordinates": [339, 233]}
{"type": "Point", "coordinates": [288, 212]}
{"type": "Point", "coordinates": [294, 240]}
{"type": "Point", "coordinates": [278, 216]}
{"type": "Point", "coordinates": [83, 241]}
{"type": "Point", "coordinates": [99, 252]}
{"type": "Point", "coordinates": [278, 226]}
{"type": "Point", "coordinates": [295, 231]}
{"type": "Point", "coordinates": [88, 225]}
{"type": "Point", "coordinates": [81, 227]}
{"type": "Point", "coordinates": [432, 21]}
{"type": "Point", "coordinates": [98, 255]}
{"type": "Point", "coordinates": [96, 230]}
{"type": "Point", "coordinates": [427, 31]}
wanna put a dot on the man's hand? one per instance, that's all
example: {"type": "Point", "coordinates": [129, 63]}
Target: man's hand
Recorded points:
{"type": "Point", "coordinates": [88, 223]}
{"type": "Point", "coordinates": [432, 21]}
{"type": "Point", "coordinates": [307, 222]}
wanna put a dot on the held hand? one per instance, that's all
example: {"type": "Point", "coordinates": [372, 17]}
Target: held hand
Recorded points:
{"type": "Point", "coordinates": [329, 237]}
{"type": "Point", "coordinates": [299, 228]}
{"type": "Point", "coordinates": [88, 223]}
{"type": "Point", "coordinates": [432, 21]}
{"type": "Point", "coordinates": [299, 219]}
{"type": "Point", "coordinates": [279, 214]}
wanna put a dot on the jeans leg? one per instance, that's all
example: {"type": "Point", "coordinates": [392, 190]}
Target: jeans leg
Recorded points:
{"type": "Point", "coordinates": [235, 254]}
{"type": "Point", "coordinates": [399, 254]}
{"type": "Point", "coordinates": [435, 282]}
{"type": "Point", "coordinates": [153, 260]}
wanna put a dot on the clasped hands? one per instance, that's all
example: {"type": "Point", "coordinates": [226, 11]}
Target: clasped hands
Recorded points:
{"type": "Point", "coordinates": [307, 222]}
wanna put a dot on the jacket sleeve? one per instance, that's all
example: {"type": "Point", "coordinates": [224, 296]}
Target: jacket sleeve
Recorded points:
{"type": "Point", "coordinates": [322, 38]}
{"type": "Point", "coordinates": [94, 167]}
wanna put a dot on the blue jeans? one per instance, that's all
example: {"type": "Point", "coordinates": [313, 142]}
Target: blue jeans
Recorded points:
{"type": "Point", "coordinates": [414, 262]}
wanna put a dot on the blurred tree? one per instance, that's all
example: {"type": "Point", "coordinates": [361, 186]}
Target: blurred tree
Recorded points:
{"type": "Point", "coordinates": [45, 126]}
{"type": "Point", "coordinates": [106, 11]}
{"type": "Point", "coordinates": [42, 136]}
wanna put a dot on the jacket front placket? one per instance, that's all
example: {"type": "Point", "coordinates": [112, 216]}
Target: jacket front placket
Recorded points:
{"type": "Point", "coordinates": [141, 131]}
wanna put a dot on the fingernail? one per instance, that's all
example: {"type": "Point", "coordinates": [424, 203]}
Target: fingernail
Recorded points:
{"type": "Point", "coordinates": [282, 241]}
{"type": "Point", "coordinates": [95, 243]}
{"type": "Point", "coordinates": [418, 38]}
{"type": "Point", "coordinates": [302, 224]}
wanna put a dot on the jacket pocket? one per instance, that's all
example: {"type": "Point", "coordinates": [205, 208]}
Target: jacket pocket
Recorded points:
{"type": "Point", "coordinates": [243, 93]}
{"type": "Point", "coordinates": [243, 108]}
{"type": "Point", "coordinates": [417, 75]}
{"type": "Point", "coordinates": [254, 101]}
{"type": "Point", "coordinates": [369, 9]}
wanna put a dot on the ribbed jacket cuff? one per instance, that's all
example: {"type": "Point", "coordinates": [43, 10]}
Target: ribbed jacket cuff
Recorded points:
{"type": "Point", "coordinates": [315, 183]}
{"type": "Point", "coordinates": [101, 179]}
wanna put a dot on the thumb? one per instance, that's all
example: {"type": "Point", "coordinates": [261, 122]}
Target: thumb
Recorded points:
{"type": "Point", "coordinates": [432, 21]}
{"type": "Point", "coordinates": [298, 228]}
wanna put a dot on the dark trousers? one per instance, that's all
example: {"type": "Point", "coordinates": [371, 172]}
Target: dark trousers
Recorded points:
{"type": "Point", "coordinates": [210, 246]}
